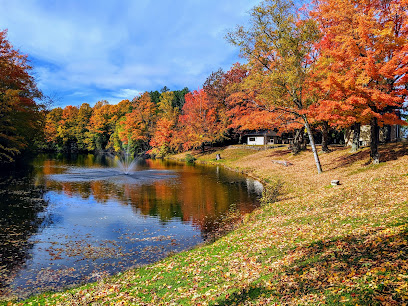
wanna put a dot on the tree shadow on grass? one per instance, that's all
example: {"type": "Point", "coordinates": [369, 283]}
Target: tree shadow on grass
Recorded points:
{"type": "Point", "coordinates": [347, 160]}
{"type": "Point", "coordinates": [368, 269]}
{"type": "Point", "coordinates": [387, 152]}
{"type": "Point", "coordinates": [393, 152]}
{"type": "Point", "coordinates": [279, 153]}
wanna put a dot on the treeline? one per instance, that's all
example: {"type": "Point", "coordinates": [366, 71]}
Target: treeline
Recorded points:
{"type": "Point", "coordinates": [128, 125]}
{"type": "Point", "coordinates": [156, 123]}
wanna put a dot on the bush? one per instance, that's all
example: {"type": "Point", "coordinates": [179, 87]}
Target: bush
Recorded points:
{"type": "Point", "coordinates": [190, 159]}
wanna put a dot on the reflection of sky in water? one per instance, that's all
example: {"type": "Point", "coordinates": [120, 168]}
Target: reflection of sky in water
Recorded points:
{"type": "Point", "coordinates": [75, 174]}
{"type": "Point", "coordinates": [99, 221]}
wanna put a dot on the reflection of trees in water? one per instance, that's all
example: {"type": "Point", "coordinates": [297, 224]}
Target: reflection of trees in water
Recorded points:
{"type": "Point", "coordinates": [199, 195]}
{"type": "Point", "coordinates": [20, 206]}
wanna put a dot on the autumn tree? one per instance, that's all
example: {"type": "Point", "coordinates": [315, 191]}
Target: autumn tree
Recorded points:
{"type": "Point", "coordinates": [101, 125]}
{"type": "Point", "coordinates": [52, 123]}
{"type": "Point", "coordinates": [199, 122]}
{"type": "Point", "coordinates": [67, 126]}
{"type": "Point", "coordinates": [364, 54]}
{"type": "Point", "coordinates": [241, 113]}
{"type": "Point", "coordinates": [137, 126]}
{"type": "Point", "coordinates": [82, 126]}
{"type": "Point", "coordinates": [162, 139]}
{"type": "Point", "coordinates": [215, 87]}
{"type": "Point", "coordinates": [120, 110]}
{"type": "Point", "coordinates": [167, 113]}
{"type": "Point", "coordinates": [20, 116]}
{"type": "Point", "coordinates": [165, 106]}
{"type": "Point", "coordinates": [279, 47]}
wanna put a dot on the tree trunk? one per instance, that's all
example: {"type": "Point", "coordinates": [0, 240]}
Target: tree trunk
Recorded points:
{"type": "Point", "coordinates": [312, 144]}
{"type": "Point", "coordinates": [374, 141]}
{"type": "Point", "coordinates": [386, 134]}
{"type": "Point", "coordinates": [355, 146]}
{"type": "Point", "coordinates": [265, 142]}
{"type": "Point", "coordinates": [295, 147]}
{"type": "Point", "coordinates": [325, 137]}
{"type": "Point", "coordinates": [302, 140]}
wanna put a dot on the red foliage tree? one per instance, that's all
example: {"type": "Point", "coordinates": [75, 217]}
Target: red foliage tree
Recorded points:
{"type": "Point", "coordinates": [21, 118]}
{"type": "Point", "coordinates": [364, 58]}
{"type": "Point", "coordinates": [243, 111]}
{"type": "Point", "coordinates": [163, 138]}
{"type": "Point", "coordinates": [199, 121]}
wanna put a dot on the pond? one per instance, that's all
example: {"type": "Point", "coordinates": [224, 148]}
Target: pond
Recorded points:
{"type": "Point", "coordinates": [66, 220]}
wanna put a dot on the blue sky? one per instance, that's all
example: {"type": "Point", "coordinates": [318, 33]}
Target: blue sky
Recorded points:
{"type": "Point", "coordinates": [86, 50]}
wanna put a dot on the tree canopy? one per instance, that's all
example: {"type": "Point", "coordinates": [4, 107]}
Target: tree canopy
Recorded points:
{"type": "Point", "coordinates": [280, 48]}
{"type": "Point", "coordinates": [20, 115]}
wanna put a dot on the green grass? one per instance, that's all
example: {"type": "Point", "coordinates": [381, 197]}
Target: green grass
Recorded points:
{"type": "Point", "coordinates": [366, 168]}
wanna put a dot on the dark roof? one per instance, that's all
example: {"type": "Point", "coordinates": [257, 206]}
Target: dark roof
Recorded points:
{"type": "Point", "coordinates": [265, 133]}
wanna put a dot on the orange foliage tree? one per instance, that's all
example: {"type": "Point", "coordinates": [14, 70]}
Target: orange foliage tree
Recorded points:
{"type": "Point", "coordinates": [165, 130]}
{"type": "Point", "coordinates": [101, 125]}
{"type": "Point", "coordinates": [137, 126]}
{"type": "Point", "coordinates": [68, 124]}
{"type": "Point", "coordinates": [243, 111]}
{"type": "Point", "coordinates": [52, 122]}
{"type": "Point", "coordinates": [81, 125]}
{"type": "Point", "coordinates": [199, 122]}
{"type": "Point", "coordinates": [364, 55]}
{"type": "Point", "coordinates": [216, 88]}
{"type": "Point", "coordinates": [21, 118]}
{"type": "Point", "coordinates": [279, 47]}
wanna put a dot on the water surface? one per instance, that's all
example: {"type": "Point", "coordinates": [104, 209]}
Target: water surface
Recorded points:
{"type": "Point", "coordinates": [68, 220]}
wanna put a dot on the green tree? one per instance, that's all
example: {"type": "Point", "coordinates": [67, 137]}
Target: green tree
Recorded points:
{"type": "Point", "coordinates": [180, 97]}
{"type": "Point", "coordinates": [155, 96]}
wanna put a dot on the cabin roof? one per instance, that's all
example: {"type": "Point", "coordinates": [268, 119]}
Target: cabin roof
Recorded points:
{"type": "Point", "coordinates": [267, 133]}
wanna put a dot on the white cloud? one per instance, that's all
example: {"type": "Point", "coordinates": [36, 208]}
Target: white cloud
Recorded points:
{"type": "Point", "coordinates": [127, 93]}
{"type": "Point", "coordinates": [99, 47]}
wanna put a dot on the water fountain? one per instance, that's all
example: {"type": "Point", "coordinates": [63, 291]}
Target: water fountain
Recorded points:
{"type": "Point", "coordinates": [124, 171]}
{"type": "Point", "coordinates": [126, 163]}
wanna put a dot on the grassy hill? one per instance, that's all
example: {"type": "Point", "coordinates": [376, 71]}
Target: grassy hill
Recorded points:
{"type": "Point", "coordinates": [316, 244]}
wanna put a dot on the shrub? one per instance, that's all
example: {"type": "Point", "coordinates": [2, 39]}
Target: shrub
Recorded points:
{"type": "Point", "coordinates": [189, 158]}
